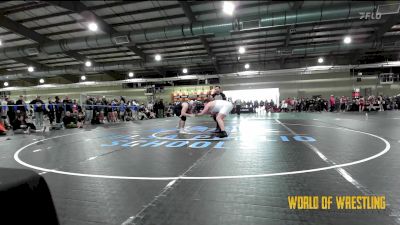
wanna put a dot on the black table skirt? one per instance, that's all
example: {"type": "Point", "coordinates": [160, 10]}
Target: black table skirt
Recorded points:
{"type": "Point", "coordinates": [25, 198]}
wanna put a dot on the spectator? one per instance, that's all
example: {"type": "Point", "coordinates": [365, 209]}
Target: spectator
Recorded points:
{"type": "Point", "coordinates": [238, 104]}
{"type": "Point", "coordinates": [20, 126]}
{"type": "Point", "coordinates": [161, 108]}
{"type": "Point", "coordinates": [38, 106]}
{"type": "Point", "coordinates": [21, 105]}
{"type": "Point", "coordinates": [89, 109]}
{"type": "Point", "coordinates": [11, 110]}
{"type": "Point", "coordinates": [50, 111]}
{"type": "Point", "coordinates": [69, 121]}
{"type": "Point", "coordinates": [58, 110]}
{"type": "Point", "coordinates": [67, 104]}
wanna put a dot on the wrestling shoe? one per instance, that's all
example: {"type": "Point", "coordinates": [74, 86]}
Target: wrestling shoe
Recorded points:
{"type": "Point", "coordinates": [217, 131]}
{"type": "Point", "coordinates": [183, 131]}
{"type": "Point", "coordinates": [222, 134]}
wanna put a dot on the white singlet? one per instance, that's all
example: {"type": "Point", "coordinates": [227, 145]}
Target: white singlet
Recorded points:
{"type": "Point", "coordinates": [222, 106]}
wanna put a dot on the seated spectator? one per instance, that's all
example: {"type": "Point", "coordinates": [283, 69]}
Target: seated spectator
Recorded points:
{"type": "Point", "coordinates": [2, 129]}
{"type": "Point", "coordinates": [21, 126]}
{"type": "Point", "coordinates": [142, 114]}
{"type": "Point", "coordinates": [69, 121]}
{"type": "Point", "coordinates": [81, 120]}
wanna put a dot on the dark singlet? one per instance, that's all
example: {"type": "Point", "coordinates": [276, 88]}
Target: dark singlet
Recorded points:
{"type": "Point", "coordinates": [178, 108]}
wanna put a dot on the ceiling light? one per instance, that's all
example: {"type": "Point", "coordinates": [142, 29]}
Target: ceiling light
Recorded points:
{"type": "Point", "coordinates": [228, 8]}
{"type": "Point", "coordinates": [88, 64]}
{"type": "Point", "coordinates": [347, 40]}
{"type": "Point", "coordinates": [5, 84]}
{"type": "Point", "coordinates": [320, 60]}
{"type": "Point", "coordinates": [157, 57]}
{"type": "Point", "coordinates": [185, 70]}
{"type": "Point", "coordinates": [41, 81]}
{"type": "Point", "coordinates": [242, 50]}
{"type": "Point", "coordinates": [83, 77]}
{"type": "Point", "coordinates": [31, 69]}
{"type": "Point", "coordinates": [247, 66]}
{"type": "Point", "coordinates": [131, 74]}
{"type": "Point", "coordinates": [92, 26]}
{"type": "Point", "coordinates": [1, 43]}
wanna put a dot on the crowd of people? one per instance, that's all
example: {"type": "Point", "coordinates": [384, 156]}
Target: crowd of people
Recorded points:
{"type": "Point", "coordinates": [320, 104]}
{"type": "Point", "coordinates": [341, 104]}
{"type": "Point", "coordinates": [26, 117]}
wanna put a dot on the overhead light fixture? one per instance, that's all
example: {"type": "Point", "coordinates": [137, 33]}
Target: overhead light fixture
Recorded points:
{"type": "Point", "coordinates": [320, 60]}
{"type": "Point", "coordinates": [228, 7]}
{"type": "Point", "coordinates": [93, 26]}
{"type": "Point", "coordinates": [88, 64]}
{"type": "Point", "coordinates": [347, 40]}
{"type": "Point", "coordinates": [1, 43]}
{"type": "Point", "coordinates": [41, 81]}
{"type": "Point", "coordinates": [238, 57]}
{"type": "Point", "coordinates": [157, 57]}
{"type": "Point", "coordinates": [242, 50]}
{"type": "Point", "coordinates": [246, 66]}
{"type": "Point", "coordinates": [131, 74]}
{"type": "Point", "coordinates": [83, 77]}
{"type": "Point", "coordinates": [6, 84]}
{"type": "Point", "coordinates": [31, 69]}
{"type": "Point", "coordinates": [185, 70]}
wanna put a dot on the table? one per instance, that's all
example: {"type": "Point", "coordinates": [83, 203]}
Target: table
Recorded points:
{"type": "Point", "coordinates": [25, 198]}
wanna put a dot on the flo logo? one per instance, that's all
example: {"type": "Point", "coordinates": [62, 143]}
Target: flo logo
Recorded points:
{"type": "Point", "coordinates": [370, 16]}
{"type": "Point", "coordinates": [198, 137]}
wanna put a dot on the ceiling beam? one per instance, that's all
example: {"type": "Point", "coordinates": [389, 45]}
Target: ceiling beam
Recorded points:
{"type": "Point", "coordinates": [192, 18]}
{"type": "Point", "coordinates": [115, 75]}
{"type": "Point", "coordinates": [387, 26]}
{"type": "Point", "coordinates": [37, 37]}
{"type": "Point", "coordinates": [39, 66]}
{"type": "Point", "coordinates": [376, 36]}
{"type": "Point", "coordinates": [296, 5]}
{"type": "Point", "coordinates": [79, 7]}
{"type": "Point", "coordinates": [22, 30]}
{"type": "Point", "coordinates": [286, 45]}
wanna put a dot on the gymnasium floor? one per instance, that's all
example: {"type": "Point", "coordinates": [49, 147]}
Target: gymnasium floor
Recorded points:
{"type": "Point", "coordinates": [145, 173]}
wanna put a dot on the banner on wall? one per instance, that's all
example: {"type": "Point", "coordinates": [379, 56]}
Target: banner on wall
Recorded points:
{"type": "Point", "coordinates": [191, 94]}
{"type": "Point", "coordinates": [356, 93]}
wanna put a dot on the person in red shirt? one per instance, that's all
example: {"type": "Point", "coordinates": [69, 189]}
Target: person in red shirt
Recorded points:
{"type": "Point", "coordinates": [332, 103]}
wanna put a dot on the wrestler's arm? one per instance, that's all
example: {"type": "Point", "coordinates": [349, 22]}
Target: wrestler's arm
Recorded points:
{"type": "Point", "coordinates": [204, 111]}
{"type": "Point", "coordinates": [185, 107]}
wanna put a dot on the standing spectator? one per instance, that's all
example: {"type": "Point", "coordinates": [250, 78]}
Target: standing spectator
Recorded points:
{"type": "Point", "coordinates": [4, 112]}
{"type": "Point", "coordinates": [332, 103]}
{"type": "Point", "coordinates": [342, 102]}
{"type": "Point", "coordinates": [38, 106]}
{"type": "Point", "coordinates": [67, 104]}
{"type": "Point", "coordinates": [362, 104]}
{"type": "Point", "coordinates": [122, 110]}
{"type": "Point", "coordinates": [238, 104]}
{"type": "Point", "coordinates": [50, 110]}
{"type": "Point", "coordinates": [380, 102]}
{"type": "Point", "coordinates": [89, 109]}
{"type": "Point", "coordinates": [161, 108]}
{"type": "Point", "coordinates": [11, 110]}
{"type": "Point", "coordinates": [21, 106]}
{"type": "Point", "coordinates": [59, 109]}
